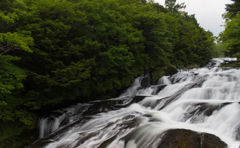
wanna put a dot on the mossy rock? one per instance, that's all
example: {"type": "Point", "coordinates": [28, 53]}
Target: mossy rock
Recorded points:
{"type": "Point", "coordinates": [158, 72]}
{"type": "Point", "coordinates": [170, 70]}
{"type": "Point", "coordinates": [193, 66]}
{"type": "Point", "coordinates": [233, 64]}
{"type": "Point", "coordinates": [183, 138]}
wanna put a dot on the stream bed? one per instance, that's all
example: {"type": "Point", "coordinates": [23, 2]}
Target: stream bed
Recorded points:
{"type": "Point", "coordinates": [192, 108]}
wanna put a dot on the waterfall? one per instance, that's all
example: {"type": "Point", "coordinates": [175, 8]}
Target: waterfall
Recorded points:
{"type": "Point", "coordinates": [203, 100]}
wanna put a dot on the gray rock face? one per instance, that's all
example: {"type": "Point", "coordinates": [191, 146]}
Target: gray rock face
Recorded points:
{"type": "Point", "coordinates": [182, 138]}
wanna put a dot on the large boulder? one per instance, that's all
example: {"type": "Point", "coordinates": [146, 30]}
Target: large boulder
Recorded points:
{"type": "Point", "coordinates": [182, 138]}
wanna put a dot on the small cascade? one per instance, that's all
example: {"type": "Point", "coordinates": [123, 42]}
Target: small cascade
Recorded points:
{"type": "Point", "coordinates": [164, 80]}
{"type": "Point", "coordinates": [59, 118]}
{"type": "Point", "coordinates": [201, 105]}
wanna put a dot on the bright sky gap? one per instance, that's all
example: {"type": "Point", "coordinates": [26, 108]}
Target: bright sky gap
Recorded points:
{"type": "Point", "coordinates": [208, 12]}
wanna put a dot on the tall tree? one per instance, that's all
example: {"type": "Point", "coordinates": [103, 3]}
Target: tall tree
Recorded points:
{"type": "Point", "coordinates": [230, 36]}
{"type": "Point", "coordinates": [233, 8]}
{"type": "Point", "coordinates": [173, 7]}
{"type": "Point", "coordinates": [56, 52]}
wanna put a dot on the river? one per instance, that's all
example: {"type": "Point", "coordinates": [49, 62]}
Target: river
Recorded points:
{"type": "Point", "coordinates": [205, 100]}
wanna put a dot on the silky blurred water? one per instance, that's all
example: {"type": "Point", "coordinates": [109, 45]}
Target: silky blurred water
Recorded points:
{"type": "Point", "coordinates": [203, 100]}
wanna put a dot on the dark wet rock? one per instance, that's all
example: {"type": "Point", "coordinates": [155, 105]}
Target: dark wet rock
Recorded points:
{"type": "Point", "coordinates": [138, 99]}
{"type": "Point", "coordinates": [65, 121]}
{"type": "Point", "coordinates": [107, 105]}
{"type": "Point", "coordinates": [204, 108]}
{"type": "Point", "coordinates": [145, 82]}
{"type": "Point", "coordinates": [182, 138]}
{"type": "Point", "coordinates": [92, 108]}
{"type": "Point", "coordinates": [226, 68]}
{"type": "Point", "coordinates": [128, 122]}
{"type": "Point", "coordinates": [107, 142]}
{"type": "Point", "coordinates": [57, 134]}
{"type": "Point", "coordinates": [167, 100]}
{"type": "Point", "coordinates": [41, 144]}
{"type": "Point", "coordinates": [101, 106]}
{"type": "Point", "coordinates": [211, 141]}
{"type": "Point", "coordinates": [158, 88]}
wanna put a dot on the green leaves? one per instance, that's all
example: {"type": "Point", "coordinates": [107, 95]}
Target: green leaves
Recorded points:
{"type": "Point", "coordinates": [71, 43]}
{"type": "Point", "coordinates": [17, 40]}
{"type": "Point", "coordinates": [230, 36]}
{"type": "Point", "coordinates": [11, 76]}
{"type": "Point", "coordinates": [58, 51]}
{"type": "Point", "coordinates": [173, 7]}
{"type": "Point", "coordinates": [192, 45]}
{"type": "Point", "coordinates": [9, 18]}
{"type": "Point", "coordinates": [74, 73]}
{"type": "Point", "coordinates": [13, 38]}
{"type": "Point", "coordinates": [234, 8]}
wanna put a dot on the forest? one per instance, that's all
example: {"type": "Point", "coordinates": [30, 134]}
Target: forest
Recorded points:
{"type": "Point", "coordinates": [230, 36]}
{"type": "Point", "coordinates": [57, 52]}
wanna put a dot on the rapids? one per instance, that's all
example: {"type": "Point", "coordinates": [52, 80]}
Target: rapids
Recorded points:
{"type": "Point", "coordinates": [202, 100]}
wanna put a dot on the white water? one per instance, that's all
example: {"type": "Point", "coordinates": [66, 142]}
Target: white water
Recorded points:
{"type": "Point", "coordinates": [202, 100]}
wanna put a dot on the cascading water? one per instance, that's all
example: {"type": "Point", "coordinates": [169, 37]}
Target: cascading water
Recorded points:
{"type": "Point", "coordinates": [205, 100]}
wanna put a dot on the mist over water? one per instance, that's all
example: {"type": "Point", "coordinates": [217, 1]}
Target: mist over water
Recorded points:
{"type": "Point", "coordinates": [202, 100]}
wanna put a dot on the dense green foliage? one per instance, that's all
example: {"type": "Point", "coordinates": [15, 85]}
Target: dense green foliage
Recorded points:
{"type": "Point", "coordinates": [230, 36]}
{"type": "Point", "coordinates": [219, 50]}
{"type": "Point", "coordinates": [233, 8]}
{"type": "Point", "coordinates": [57, 51]}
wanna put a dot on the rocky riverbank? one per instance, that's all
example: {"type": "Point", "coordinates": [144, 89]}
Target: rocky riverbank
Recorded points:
{"type": "Point", "coordinates": [233, 64]}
